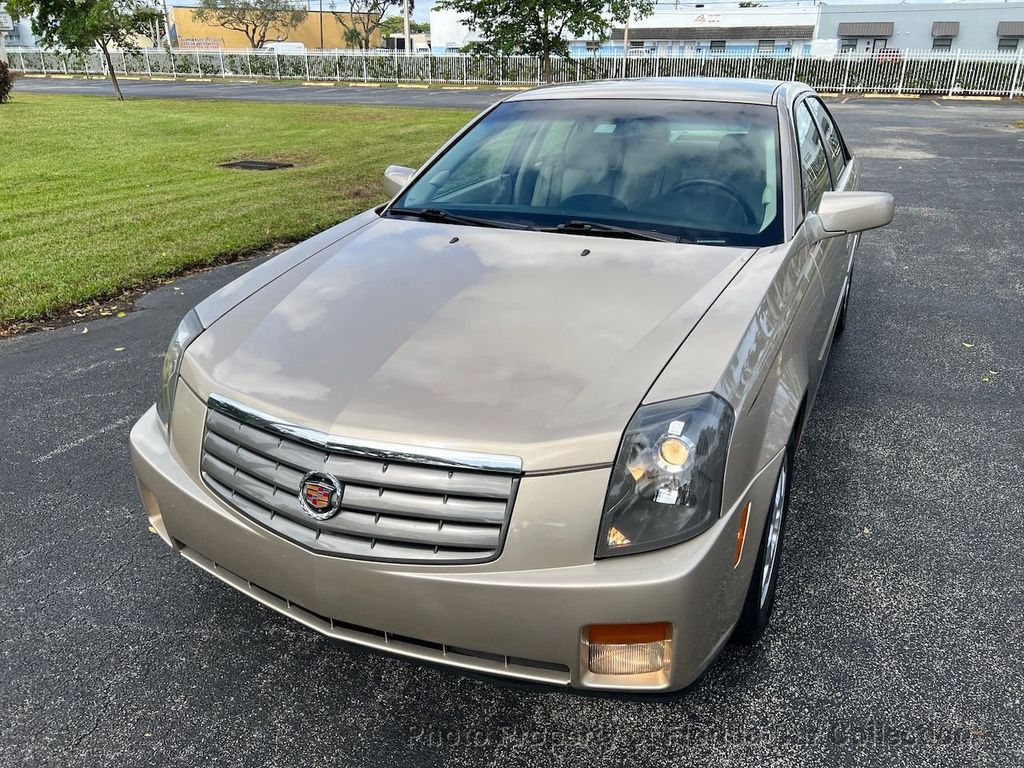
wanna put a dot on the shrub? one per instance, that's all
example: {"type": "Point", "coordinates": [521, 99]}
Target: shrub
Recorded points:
{"type": "Point", "coordinates": [6, 82]}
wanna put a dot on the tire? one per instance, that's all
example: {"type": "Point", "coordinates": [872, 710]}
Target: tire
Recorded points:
{"type": "Point", "coordinates": [760, 599]}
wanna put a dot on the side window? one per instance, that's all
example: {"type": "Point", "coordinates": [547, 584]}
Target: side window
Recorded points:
{"type": "Point", "coordinates": [813, 162]}
{"type": "Point", "coordinates": [485, 161]}
{"type": "Point", "coordinates": [833, 140]}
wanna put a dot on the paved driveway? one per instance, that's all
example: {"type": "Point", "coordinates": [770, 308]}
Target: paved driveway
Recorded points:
{"type": "Point", "coordinates": [898, 635]}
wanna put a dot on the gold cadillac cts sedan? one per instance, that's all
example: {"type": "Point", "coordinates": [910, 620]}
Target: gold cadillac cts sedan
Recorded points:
{"type": "Point", "coordinates": [535, 416]}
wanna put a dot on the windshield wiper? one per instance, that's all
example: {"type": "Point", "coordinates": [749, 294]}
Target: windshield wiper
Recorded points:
{"type": "Point", "coordinates": [447, 217]}
{"type": "Point", "coordinates": [596, 228]}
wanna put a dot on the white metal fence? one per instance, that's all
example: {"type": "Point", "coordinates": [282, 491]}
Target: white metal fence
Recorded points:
{"type": "Point", "coordinates": [901, 72]}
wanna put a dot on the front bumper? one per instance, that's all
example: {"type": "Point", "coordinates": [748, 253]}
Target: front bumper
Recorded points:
{"type": "Point", "coordinates": [518, 616]}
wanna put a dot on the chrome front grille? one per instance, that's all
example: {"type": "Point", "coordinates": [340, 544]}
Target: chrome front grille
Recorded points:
{"type": "Point", "coordinates": [397, 511]}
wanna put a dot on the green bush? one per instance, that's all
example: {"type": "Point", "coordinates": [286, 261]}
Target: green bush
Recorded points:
{"type": "Point", "coordinates": [6, 83]}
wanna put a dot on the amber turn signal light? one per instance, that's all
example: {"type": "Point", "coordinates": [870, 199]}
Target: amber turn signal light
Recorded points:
{"type": "Point", "coordinates": [614, 634]}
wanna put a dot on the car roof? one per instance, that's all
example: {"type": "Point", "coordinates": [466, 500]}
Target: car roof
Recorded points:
{"type": "Point", "coordinates": [725, 89]}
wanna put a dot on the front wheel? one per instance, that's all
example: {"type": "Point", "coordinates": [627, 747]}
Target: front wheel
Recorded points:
{"type": "Point", "coordinates": [757, 608]}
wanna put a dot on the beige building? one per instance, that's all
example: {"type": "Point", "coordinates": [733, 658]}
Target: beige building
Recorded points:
{"type": "Point", "coordinates": [194, 34]}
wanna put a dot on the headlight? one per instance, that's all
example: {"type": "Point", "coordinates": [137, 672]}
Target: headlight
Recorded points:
{"type": "Point", "coordinates": [666, 485]}
{"type": "Point", "coordinates": [188, 329]}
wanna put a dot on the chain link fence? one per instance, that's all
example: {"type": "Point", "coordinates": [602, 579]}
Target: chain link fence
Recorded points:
{"type": "Point", "coordinates": [949, 73]}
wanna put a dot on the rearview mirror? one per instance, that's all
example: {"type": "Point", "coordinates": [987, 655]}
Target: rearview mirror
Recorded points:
{"type": "Point", "coordinates": [847, 212]}
{"type": "Point", "coordinates": [396, 177]}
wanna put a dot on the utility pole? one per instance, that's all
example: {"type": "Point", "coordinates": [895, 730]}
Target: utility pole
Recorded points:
{"type": "Point", "coordinates": [167, 24]}
{"type": "Point", "coordinates": [321, 25]}
{"type": "Point", "coordinates": [408, 37]}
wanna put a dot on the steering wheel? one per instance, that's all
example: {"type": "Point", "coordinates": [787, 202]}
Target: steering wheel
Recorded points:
{"type": "Point", "coordinates": [721, 188]}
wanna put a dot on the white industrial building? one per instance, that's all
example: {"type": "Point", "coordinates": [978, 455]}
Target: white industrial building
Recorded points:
{"type": "Point", "coordinates": [20, 32]}
{"type": "Point", "coordinates": [688, 29]}
{"type": "Point", "coordinates": [975, 26]}
{"type": "Point", "coordinates": [802, 28]}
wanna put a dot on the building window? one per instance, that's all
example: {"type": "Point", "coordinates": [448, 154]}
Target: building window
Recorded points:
{"type": "Point", "coordinates": [1007, 43]}
{"type": "Point", "coordinates": [718, 45]}
{"type": "Point", "coordinates": [848, 44]}
{"type": "Point", "coordinates": [942, 43]}
{"type": "Point", "coordinates": [766, 46]}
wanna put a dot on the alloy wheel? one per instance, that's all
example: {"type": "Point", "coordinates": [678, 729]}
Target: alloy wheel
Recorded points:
{"type": "Point", "coordinates": [771, 550]}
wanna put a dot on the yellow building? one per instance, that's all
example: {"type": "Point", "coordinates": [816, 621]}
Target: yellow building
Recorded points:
{"type": "Point", "coordinates": [194, 34]}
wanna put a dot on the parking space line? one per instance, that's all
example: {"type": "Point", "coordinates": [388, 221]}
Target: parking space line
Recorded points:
{"type": "Point", "coordinates": [64, 448]}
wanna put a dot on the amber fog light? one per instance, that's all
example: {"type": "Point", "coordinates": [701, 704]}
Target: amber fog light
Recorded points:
{"type": "Point", "coordinates": [627, 649]}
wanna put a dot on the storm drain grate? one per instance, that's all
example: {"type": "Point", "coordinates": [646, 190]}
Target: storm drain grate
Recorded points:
{"type": "Point", "coordinates": [256, 165]}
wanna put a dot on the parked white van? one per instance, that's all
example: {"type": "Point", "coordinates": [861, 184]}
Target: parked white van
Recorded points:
{"type": "Point", "coordinates": [285, 47]}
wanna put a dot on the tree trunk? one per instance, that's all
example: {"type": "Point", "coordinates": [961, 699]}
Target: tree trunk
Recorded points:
{"type": "Point", "coordinates": [113, 74]}
{"type": "Point", "coordinates": [545, 55]}
{"type": "Point", "coordinates": [545, 33]}
{"type": "Point", "coordinates": [625, 44]}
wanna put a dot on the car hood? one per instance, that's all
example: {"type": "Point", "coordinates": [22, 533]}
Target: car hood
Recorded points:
{"type": "Point", "coordinates": [526, 344]}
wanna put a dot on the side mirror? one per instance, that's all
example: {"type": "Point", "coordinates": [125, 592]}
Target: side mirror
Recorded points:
{"type": "Point", "coordinates": [396, 177]}
{"type": "Point", "coordinates": [847, 212]}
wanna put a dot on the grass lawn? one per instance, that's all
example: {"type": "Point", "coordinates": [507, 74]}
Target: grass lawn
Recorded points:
{"type": "Point", "coordinates": [98, 195]}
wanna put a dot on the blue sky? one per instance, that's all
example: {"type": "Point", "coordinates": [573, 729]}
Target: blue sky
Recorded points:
{"type": "Point", "coordinates": [422, 10]}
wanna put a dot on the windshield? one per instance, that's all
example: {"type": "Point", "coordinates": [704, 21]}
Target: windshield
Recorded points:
{"type": "Point", "coordinates": [688, 170]}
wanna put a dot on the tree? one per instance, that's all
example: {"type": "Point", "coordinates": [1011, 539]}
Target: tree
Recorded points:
{"type": "Point", "coordinates": [82, 24]}
{"type": "Point", "coordinates": [543, 28]}
{"type": "Point", "coordinates": [364, 17]}
{"type": "Point", "coordinates": [6, 82]}
{"type": "Point", "coordinates": [395, 25]}
{"type": "Point", "coordinates": [261, 21]}
{"type": "Point", "coordinates": [353, 39]}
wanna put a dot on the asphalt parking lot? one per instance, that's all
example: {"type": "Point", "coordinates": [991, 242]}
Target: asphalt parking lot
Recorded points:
{"type": "Point", "coordinates": [897, 638]}
{"type": "Point", "coordinates": [289, 92]}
